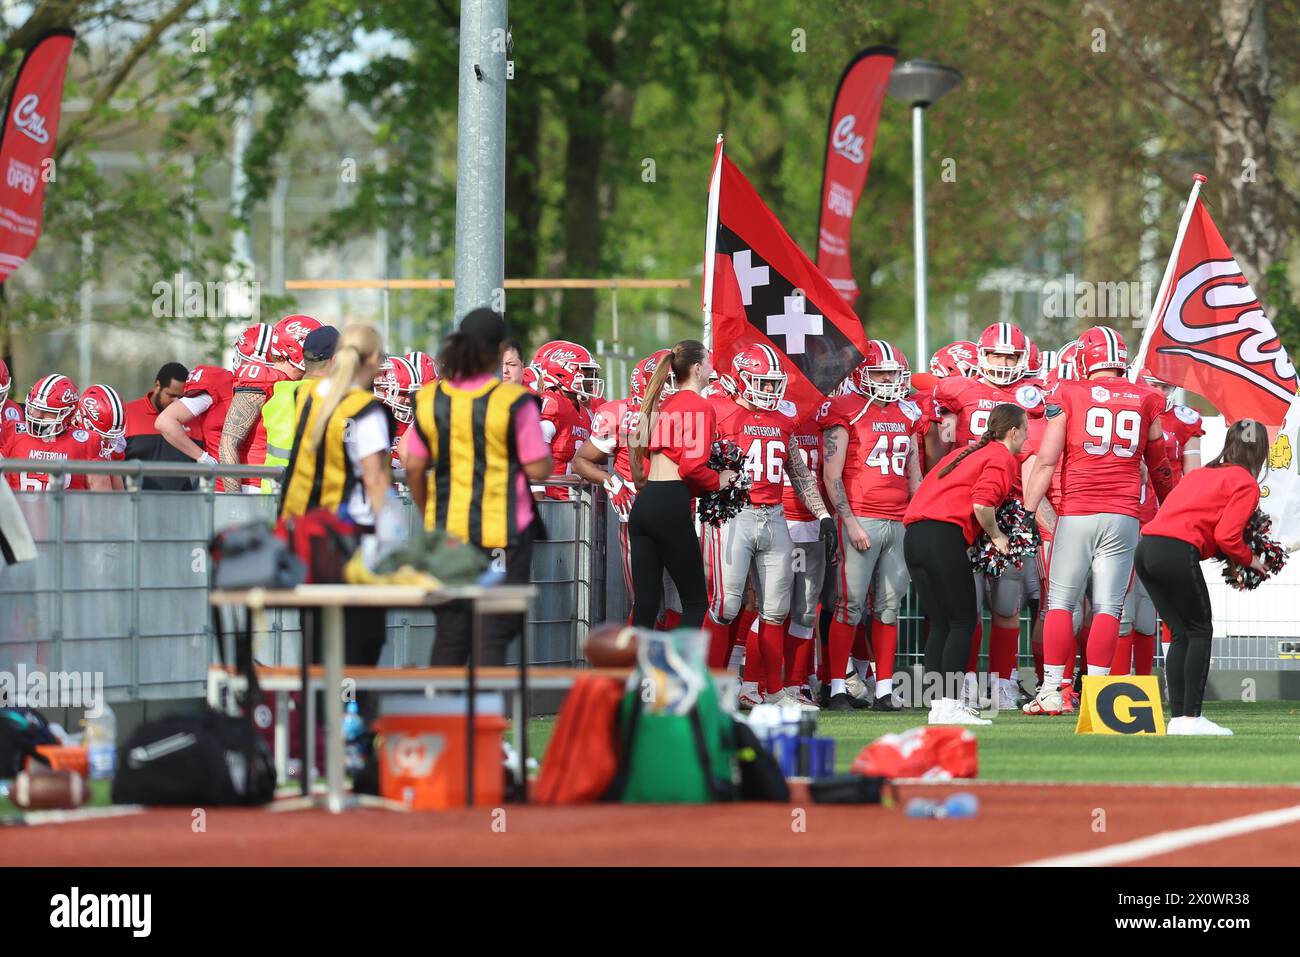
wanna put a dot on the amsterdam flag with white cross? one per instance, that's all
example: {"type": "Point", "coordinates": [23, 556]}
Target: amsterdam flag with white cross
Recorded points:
{"type": "Point", "coordinates": [766, 291]}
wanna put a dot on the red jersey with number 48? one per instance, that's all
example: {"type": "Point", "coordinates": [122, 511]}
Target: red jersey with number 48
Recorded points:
{"type": "Point", "coordinates": [218, 384]}
{"type": "Point", "coordinates": [806, 439]}
{"type": "Point", "coordinates": [1107, 422]}
{"type": "Point", "coordinates": [880, 440]}
{"type": "Point", "coordinates": [764, 436]}
{"type": "Point", "coordinates": [611, 426]}
{"type": "Point", "coordinates": [572, 427]}
{"type": "Point", "coordinates": [69, 445]}
{"type": "Point", "coordinates": [972, 400]}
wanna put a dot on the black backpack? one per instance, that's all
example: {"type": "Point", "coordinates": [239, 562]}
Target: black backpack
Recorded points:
{"type": "Point", "coordinates": [22, 730]}
{"type": "Point", "coordinates": [208, 760]}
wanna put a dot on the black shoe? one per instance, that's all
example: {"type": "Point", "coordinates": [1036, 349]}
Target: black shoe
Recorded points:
{"type": "Point", "coordinates": [842, 702]}
{"type": "Point", "coordinates": [824, 696]}
{"type": "Point", "coordinates": [886, 703]}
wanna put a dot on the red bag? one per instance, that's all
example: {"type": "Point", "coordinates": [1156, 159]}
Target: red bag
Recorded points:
{"type": "Point", "coordinates": [937, 752]}
{"type": "Point", "coordinates": [582, 757]}
{"type": "Point", "coordinates": [322, 541]}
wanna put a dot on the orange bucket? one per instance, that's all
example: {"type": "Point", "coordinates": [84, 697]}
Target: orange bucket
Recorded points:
{"type": "Point", "coordinates": [422, 760]}
{"type": "Point", "coordinates": [65, 758]}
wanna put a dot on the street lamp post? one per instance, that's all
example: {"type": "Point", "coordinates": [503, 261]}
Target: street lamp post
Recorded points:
{"type": "Point", "coordinates": [919, 83]}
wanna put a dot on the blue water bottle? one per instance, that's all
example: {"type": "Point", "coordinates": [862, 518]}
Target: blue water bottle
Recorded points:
{"type": "Point", "coordinates": [922, 807]}
{"type": "Point", "coordinates": [354, 730]}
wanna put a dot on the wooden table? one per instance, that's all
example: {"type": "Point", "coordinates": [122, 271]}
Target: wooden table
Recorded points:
{"type": "Point", "coordinates": [332, 599]}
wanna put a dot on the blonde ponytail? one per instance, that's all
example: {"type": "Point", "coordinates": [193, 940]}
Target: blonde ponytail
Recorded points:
{"type": "Point", "coordinates": [357, 344]}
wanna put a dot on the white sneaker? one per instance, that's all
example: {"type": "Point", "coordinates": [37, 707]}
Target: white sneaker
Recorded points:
{"type": "Point", "coordinates": [805, 700]}
{"type": "Point", "coordinates": [952, 711]}
{"type": "Point", "coordinates": [791, 699]}
{"type": "Point", "coordinates": [1048, 701]}
{"type": "Point", "coordinates": [1008, 696]}
{"type": "Point", "coordinates": [862, 690]}
{"type": "Point", "coordinates": [1201, 725]}
{"type": "Point", "coordinates": [748, 699]}
{"type": "Point", "coordinates": [970, 694]}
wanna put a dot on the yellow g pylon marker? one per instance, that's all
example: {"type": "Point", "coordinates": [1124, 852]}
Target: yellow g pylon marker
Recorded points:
{"type": "Point", "coordinates": [1120, 704]}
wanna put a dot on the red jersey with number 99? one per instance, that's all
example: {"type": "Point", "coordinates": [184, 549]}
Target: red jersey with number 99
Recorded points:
{"type": "Point", "coordinates": [880, 440]}
{"type": "Point", "coordinates": [764, 436]}
{"type": "Point", "coordinates": [1107, 423]}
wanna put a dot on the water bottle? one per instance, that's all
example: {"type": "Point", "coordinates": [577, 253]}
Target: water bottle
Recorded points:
{"type": "Point", "coordinates": [354, 730]}
{"type": "Point", "coordinates": [922, 807]}
{"type": "Point", "coordinates": [101, 744]}
{"type": "Point", "coordinates": [963, 804]}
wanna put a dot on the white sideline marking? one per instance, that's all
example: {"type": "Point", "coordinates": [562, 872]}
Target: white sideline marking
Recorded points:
{"type": "Point", "coordinates": [1168, 841]}
{"type": "Point", "coordinates": [74, 816]}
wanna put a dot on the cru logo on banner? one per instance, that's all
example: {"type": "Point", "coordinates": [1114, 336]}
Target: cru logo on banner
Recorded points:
{"type": "Point", "coordinates": [846, 141]}
{"type": "Point", "coordinates": [1120, 704]}
{"type": "Point", "coordinates": [28, 120]}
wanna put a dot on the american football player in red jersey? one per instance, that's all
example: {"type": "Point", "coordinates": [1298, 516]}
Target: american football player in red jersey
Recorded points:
{"type": "Point", "coordinates": [872, 467]}
{"type": "Point", "coordinates": [296, 327]}
{"type": "Point", "coordinates": [566, 418]}
{"type": "Point", "coordinates": [243, 433]}
{"type": "Point", "coordinates": [46, 434]}
{"type": "Point", "coordinates": [101, 412]}
{"type": "Point", "coordinates": [1183, 428]}
{"type": "Point", "coordinates": [208, 392]}
{"type": "Point", "coordinates": [1102, 429]}
{"type": "Point", "coordinates": [396, 387]}
{"type": "Point", "coordinates": [1002, 365]}
{"type": "Point", "coordinates": [11, 413]}
{"type": "Point", "coordinates": [761, 424]}
{"type": "Point", "coordinates": [613, 427]}
{"type": "Point", "coordinates": [426, 369]}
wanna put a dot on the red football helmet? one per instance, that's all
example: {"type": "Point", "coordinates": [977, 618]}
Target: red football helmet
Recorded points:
{"type": "Point", "coordinates": [297, 326]}
{"type": "Point", "coordinates": [424, 366]}
{"type": "Point", "coordinates": [6, 381]}
{"type": "Point", "coordinates": [100, 410]}
{"type": "Point", "coordinates": [1003, 339]}
{"type": "Point", "coordinates": [533, 377]}
{"type": "Point", "coordinates": [958, 359]}
{"type": "Point", "coordinates": [400, 383]}
{"type": "Point", "coordinates": [286, 348]}
{"type": "Point", "coordinates": [644, 371]}
{"type": "Point", "coordinates": [881, 357]}
{"type": "Point", "coordinates": [55, 397]}
{"type": "Point", "coordinates": [253, 345]}
{"type": "Point", "coordinates": [1100, 348]}
{"type": "Point", "coordinates": [1160, 385]}
{"type": "Point", "coordinates": [1062, 364]}
{"type": "Point", "coordinates": [761, 378]}
{"type": "Point", "coordinates": [568, 366]}
{"type": "Point", "coordinates": [1034, 364]}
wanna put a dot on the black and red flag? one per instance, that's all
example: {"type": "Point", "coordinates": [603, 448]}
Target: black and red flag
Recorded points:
{"type": "Point", "coordinates": [762, 289]}
{"type": "Point", "coordinates": [850, 137]}
{"type": "Point", "coordinates": [31, 122]}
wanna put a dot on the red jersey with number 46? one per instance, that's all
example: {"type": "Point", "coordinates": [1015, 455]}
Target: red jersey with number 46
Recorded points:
{"type": "Point", "coordinates": [764, 436]}
{"type": "Point", "coordinates": [572, 427]}
{"type": "Point", "coordinates": [880, 439]}
{"type": "Point", "coordinates": [806, 439]}
{"type": "Point", "coordinates": [69, 445]}
{"type": "Point", "coordinates": [611, 426]}
{"type": "Point", "coordinates": [972, 400]}
{"type": "Point", "coordinates": [218, 385]}
{"type": "Point", "coordinates": [1107, 422]}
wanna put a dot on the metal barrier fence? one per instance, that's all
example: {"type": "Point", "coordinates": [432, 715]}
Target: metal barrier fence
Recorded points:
{"type": "Point", "coordinates": [120, 587]}
{"type": "Point", "coordinates": [120, 582]}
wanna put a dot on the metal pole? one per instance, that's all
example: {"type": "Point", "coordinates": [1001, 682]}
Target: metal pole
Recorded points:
{"type": "Point", "coordinates": [918, 220]}
{"type": "Point", "coordinates": [480, 157]}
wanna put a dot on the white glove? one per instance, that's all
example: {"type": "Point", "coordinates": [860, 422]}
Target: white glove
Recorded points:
{"type": "Point", "coordinates": [206, 459]}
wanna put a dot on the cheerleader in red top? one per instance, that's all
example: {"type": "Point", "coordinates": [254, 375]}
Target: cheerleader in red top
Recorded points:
{"type": "Point", "coordinates": [955, 500]}
{"type": "Point", "coordinates": [1205, 515]}
{"type": "Point", "coordinates": [670, 469]}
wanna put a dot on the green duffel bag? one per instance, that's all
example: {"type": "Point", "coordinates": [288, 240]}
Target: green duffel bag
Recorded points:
{"type": "Point", "coordinates": [677, 745]}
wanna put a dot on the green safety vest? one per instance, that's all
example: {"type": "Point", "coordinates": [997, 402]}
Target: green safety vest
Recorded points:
{"type": "Point", "coordinates": [279, 416]}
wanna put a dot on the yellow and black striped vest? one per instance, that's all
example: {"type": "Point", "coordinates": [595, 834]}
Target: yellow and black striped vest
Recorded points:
{"type": "Point", "coordinates": [322, 477]}
{"type": "Point", "coordinates": [473, 484]}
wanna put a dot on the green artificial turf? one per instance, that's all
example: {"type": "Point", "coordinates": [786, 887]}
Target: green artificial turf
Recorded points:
{"type": "Point", "coordinates": [1264, 750]}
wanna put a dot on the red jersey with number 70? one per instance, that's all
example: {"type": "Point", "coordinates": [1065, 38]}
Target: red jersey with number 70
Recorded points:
{"type": "Point", "coordinates": [880, 440]}
{"type": "Point", "coordinates": [764, 436]}
{"type": "Point", "coordinates": [1107, 423]}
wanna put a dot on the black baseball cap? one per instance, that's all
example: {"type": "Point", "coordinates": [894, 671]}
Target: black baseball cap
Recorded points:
{"type": "Point", "coordinates": [486, 324]}
{"type": "Point", "coordinates": [320, 344]}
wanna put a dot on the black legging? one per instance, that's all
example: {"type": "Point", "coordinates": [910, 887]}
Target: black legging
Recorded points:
{"type": "Point", "coordinates": [1171, 571]}
{"type": "Point", "coordinates": [662, 536]}
{"type": "Point", "coordinates": [935, 553]}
